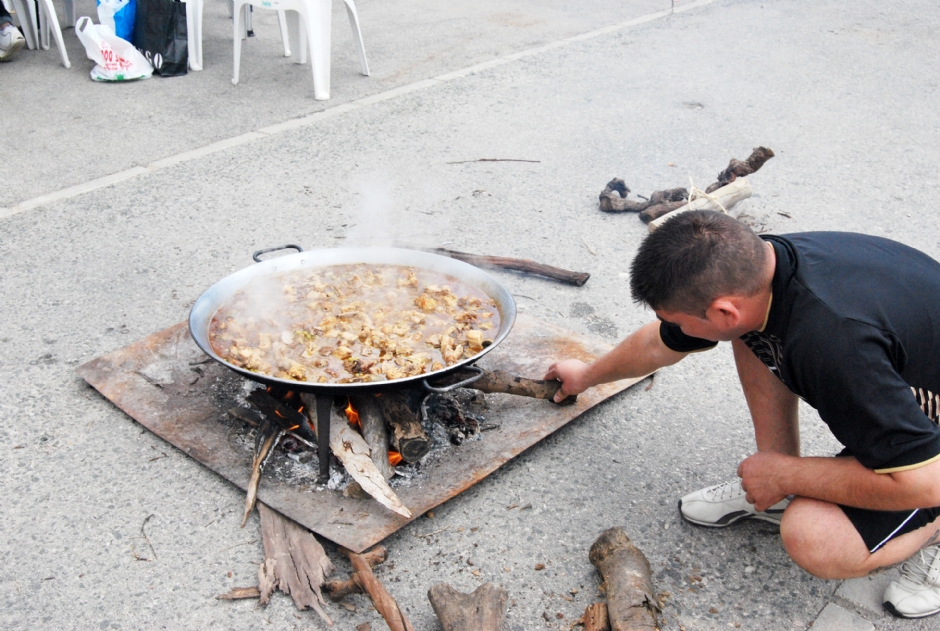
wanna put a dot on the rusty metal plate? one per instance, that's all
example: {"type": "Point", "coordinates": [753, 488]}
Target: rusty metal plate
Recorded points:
{"type": "Point", "coordinates": [169, 386]}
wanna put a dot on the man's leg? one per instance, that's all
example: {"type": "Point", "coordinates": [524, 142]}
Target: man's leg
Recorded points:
{"type": "Point", "coordinates": [822, 540]}
{"type": "Point", "coordinates": [11, 40]}
{"type": "Point", "coordinates": [774, 413]}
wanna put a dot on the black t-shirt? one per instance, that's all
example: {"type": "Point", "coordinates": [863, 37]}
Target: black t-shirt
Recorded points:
{"type": "Point", "coordinates": [854, 329]}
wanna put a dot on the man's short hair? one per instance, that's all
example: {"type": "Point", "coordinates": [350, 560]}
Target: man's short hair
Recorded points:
{"type": "Point", "coordinates": [694, 258]}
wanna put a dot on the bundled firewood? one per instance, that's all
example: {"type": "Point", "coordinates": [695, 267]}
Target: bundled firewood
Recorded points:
{"type": "Point", "coordinates": [614, 196]}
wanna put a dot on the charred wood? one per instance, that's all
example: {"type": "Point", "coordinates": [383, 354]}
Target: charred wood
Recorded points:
{"type": "Point", "coordinates": [518, 265]}
{"type": "Point", "coordinates": [482, 610]}
{"type": "Point", "coordinates": [631, 605]}
{"type": "Point", "coordinates": [501, 381]}
{"type": "Point", "coordinates": [268, 435]}
{"type": "Point", "coordinates": [737, 168]}
{"type": "Point", "coordinates": [407, 436]}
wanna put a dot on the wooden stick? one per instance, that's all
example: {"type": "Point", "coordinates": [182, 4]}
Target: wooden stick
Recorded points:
{"type": "Point", "coordinates": [629, 586]}
{"type": "Point", "coordinates": [239, 593]}
{"type": "Point", "coordinates": [340, 589]}
{"type": "Point", "coordinates": [519, 265]}
{"type": "Point", "coordinates": [363, 577]}
{"type": "Point", "coordinates": [482, 610]}
{"type": "Point", "coordinates": [728, 196]}
{"type": "Point", "coordinates": [407, 437]}
{"type": "Point", "coordinates": [294, 562]}
{"type": "Point", "coordinates": [374, 432]}
{"type": "Point", "coordinates": [595, 618]}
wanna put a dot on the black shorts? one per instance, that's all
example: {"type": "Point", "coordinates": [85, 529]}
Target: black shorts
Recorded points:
{"type": "Point", "coordinates": [879, 527]}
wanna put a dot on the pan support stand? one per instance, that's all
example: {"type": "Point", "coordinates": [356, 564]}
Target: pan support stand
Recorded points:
{"type": "Point", "coordinates": [324, 409]}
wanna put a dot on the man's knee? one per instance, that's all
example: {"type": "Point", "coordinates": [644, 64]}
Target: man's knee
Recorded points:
{"type": "Point", "coordinates": [821, 540]}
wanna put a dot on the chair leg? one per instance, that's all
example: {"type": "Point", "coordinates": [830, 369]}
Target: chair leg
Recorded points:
{"type": "Point", "coordinates": [297, 33]}
{"type": "Point", "coordinates": [357, 35]}
{"type": "Point", "coordinates": [27, 24]}
{"type": "Point", "coordinates": [193, 32]}
{"type": "Point", "coordinates": [319, 31]}
{"type": "Point", "coordinates": [51, 22]}
{"type": "Point", "coordinates": [70, 18]}
{"type": "Point", "coordinates": [238, 29]}
{"type": "Point", "coordinates": [285, 36]}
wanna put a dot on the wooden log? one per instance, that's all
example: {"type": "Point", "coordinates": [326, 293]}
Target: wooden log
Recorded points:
{"type": "Point", "coordinates": [375, 432]}
{"type": "Point", "coordinates": [728, 196]}
{"type": "Point", "coordinates": [518, 265]}
{"type": "Point", "coordinates": [595, 618]}
{"type": "Point", "coordinates": [366, 581]}
{"type": "Point", "coordinates": [351, 449]}
{"type": "Point", "coordinates": [294, 562]}
{"type": "Point", "coordinates": [407, 437]}
{"type": "Point", "coordinates": [631, 605]}
{"type": "Point", "coordinates": [482, 610]}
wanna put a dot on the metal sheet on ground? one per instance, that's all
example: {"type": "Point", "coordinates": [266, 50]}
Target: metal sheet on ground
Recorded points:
{"type": "Point", "coordinates": [168, 385]}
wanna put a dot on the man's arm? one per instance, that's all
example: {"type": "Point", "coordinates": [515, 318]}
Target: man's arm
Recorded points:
{"type": "Point", "coordinates": [641, 353]}
{"type": "Point", "coordinates": [768, 477]}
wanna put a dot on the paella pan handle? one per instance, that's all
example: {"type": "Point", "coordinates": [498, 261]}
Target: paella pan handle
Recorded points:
{"type": "Point", "coordinates": [460, 384]}
{"type": "Point", "coordinates": [257, 255]}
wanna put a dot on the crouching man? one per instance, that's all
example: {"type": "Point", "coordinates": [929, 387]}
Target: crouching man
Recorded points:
{"type": "Point", "coordinates": [850, 324]}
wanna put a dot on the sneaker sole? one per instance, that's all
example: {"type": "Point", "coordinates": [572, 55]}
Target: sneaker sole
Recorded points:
{"type": "Point", "coordinates": [898, 614]}
{"type": "Point", "coordinates": [732, 518]}
{"type": "Point", "coordinates": [7, 54]}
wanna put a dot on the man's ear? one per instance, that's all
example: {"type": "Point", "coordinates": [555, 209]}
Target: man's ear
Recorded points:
{"type": "Point", "coordinates": [725, 311]}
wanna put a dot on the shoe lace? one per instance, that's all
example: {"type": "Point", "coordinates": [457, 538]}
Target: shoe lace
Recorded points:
{"type": "Point", "coordinates": [917, 568]}
{"type": "Point", "coordinates": [726, 490]}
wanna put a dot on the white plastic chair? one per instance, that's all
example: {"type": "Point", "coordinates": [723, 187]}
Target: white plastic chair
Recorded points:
{"type": "Point", "coordinates": [36, 26]}
{"type": "Point", "coordinates": [309, 23]}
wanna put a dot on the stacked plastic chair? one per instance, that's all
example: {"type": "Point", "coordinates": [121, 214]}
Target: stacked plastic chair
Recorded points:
{"type": "Point", "coordinates": [309, 23]}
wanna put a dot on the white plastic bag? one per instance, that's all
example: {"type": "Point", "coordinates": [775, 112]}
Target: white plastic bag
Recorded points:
{"type": "Point", "coordinates": [116, 58]}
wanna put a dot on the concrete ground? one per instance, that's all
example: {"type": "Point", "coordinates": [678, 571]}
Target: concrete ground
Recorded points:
{"type": "Point", "coordinates": [120, 204]}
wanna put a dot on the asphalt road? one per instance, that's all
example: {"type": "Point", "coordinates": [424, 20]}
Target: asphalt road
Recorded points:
{"type": "Point", "coordinates": [845, 94]}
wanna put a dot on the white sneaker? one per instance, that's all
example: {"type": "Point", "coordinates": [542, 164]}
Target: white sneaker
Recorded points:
{"type": "Point", "coordinates": [11, 40]}
{"type": "Point", "coordinates": [723, 504]}
{"type": "Point", "coordinates": [917, 593]}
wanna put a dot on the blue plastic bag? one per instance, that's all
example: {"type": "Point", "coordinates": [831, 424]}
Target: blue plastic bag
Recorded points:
{"type": "Point", "coordinates": [119, 15]}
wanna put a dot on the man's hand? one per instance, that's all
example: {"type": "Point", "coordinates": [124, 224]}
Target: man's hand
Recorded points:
{"type": "Point", "coordinates": [759, 474]}
{"type": "Point", "coordinates": [572, 373]}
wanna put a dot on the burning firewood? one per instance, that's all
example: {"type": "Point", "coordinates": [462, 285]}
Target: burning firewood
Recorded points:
{"type": "Point", "coordinates": [482, 610]}
{"type": "Point", "coordinates": [408, 437]}
{"type": "Point", "coordinates": [294, 562]}
{"type": "Point", "coordinates": [501, 381]}
{"type": "Point", "coordinates": [595, 618]}
{"type": "Point", "coordinates": [375, 432]}
{"type": "Point", "coordinates": [363, 580]}
{"type": "Point", "coordinates": [352, 450]}
{"type": "Point", "coordinates": [629, 585]}
{"type": "Point", "coordinates": [268, 435]}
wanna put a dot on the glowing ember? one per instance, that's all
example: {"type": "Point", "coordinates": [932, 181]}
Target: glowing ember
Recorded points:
{"type": "Point", "coordinates": [394, 457]}
{"type": "Point", "coordinates": [353, 416]}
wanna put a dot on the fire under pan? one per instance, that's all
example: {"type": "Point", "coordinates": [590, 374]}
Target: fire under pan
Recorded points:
{"type": "Point", "coordinates": [169, 386]}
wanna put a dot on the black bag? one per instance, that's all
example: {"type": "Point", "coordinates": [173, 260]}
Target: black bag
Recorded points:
{"type": "Point", "coordinates": [160, 34]}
